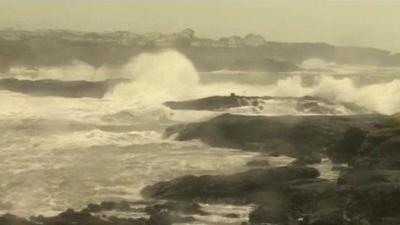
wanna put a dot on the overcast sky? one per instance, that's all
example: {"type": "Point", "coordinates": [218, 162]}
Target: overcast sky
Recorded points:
{"type": "Point", "coordinates": [373, 23]}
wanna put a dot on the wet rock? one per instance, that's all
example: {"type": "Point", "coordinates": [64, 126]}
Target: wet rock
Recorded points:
{"type": "Point", "coordinates": [369, 176]}
{"type": "Point", "coordinates": [306, 196]}
{"type": "Point", "coordinates": [164, 217]}
{"type": "Point", "coordinates": [8, 219]}
{"type": "Point", "coordinates": [213, 103]}
{"type": "Point", "coordinates": [71, 217]}
{"type": "Point", "coordinates": [299, 137]}
{"type": "Point", "coordinates": [108, 206]}
{"type": "Point", "coordinates": [161, 218]}
{"type": "Point", "coordinates": [366, 162]}
{"type": "Point", "coordinates": [331, 216]}
{"type": "Point", "coordinates": [189, 208]}
{"type": "Point", "coordinates": [375, 202]}
{"type": "Point", "coordinates": [348, 147]}
{"type": "Point", "coordinates": [223, 188]}
{"type": "Point", "coordinates": [263, 215]}
{"type": "Point", "coordinates": [309, 159]}
{"type": "Point", "coordinates": [306, 104]}
{"type": "Point", "coordinates": [381, 143]}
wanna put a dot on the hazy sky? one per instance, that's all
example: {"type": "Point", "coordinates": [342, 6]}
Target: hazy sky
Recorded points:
{"type": "Point", "coordinates": [373, 23]}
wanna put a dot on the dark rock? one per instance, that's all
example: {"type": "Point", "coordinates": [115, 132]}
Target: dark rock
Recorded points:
{"type": "Point", "coordinates": [189, 208]}
{"type": "Point", "coordinates": [374, 202]}
{"type": "Point", "coordinates": [375, 163]}
{"type": "Point", "coordinates": [348, 147]}
{"type": "Point", "coordinates": [210, 103]}
{"type": "Point", "coordinates": [295, 136]}
{"type": "Point", "coordinates": [369, 176]}
{"type": "Point", "coordinates": [71, 217]}
{"type": "Point", "coordinates": [263, 215]}
{"type": "Point", "coordinates": [222, 188]}
{"type": "Point", "coordinates": [307, 160]}
{"type": "Point", "coordinates": [332, 216]}
{"type": "Point", "coordinates": [306, 104]}
{"type": "Point", "coordinates": [8, 219]}
{"type": "Point", "coordinates": [381, 142]}
{"type": "Point", "coordinates": [390, 148]}
{"type": "Point", "coordinates": [161, 218]}
{"type": "Point", "coordinates": [108, 206]}
{"type": "Point", "coordinates": [306, 196]}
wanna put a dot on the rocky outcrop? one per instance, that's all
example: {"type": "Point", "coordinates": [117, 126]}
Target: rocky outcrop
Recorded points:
{"type": "Point", "coordinates": [71, 217]}
{"type": "Point", "coordinates": [233, 188]}
{"type": "Point", "coordinates": [112, 213]}
{"type": "Point", "coordinates": [302, 137]}
{"type": "Point", "coordinates": [306, 104]}
{"type": "Point", "coordinates": [285, 195]}
{"type": "Point", "coordinates": [372, 183]}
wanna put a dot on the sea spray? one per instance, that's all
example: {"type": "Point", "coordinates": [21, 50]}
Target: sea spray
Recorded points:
{"type": "Point", "coordinates": [316, 64]}
{"type": "Point", "coordinates": [382, 97]}
{"type": "Point", "coordinates": [169, 75]}
{"type": "Point", "coordinates": [157, 77]}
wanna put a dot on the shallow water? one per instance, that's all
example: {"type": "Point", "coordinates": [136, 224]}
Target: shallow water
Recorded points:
{"type": "Point", "coordinates": [47, 165]}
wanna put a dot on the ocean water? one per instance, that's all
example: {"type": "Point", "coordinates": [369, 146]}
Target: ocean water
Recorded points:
{"type": "Point", "coordinates": [60, 152]}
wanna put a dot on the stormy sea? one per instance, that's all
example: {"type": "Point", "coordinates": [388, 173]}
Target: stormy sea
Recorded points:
{"type": "Point", "coordinates": [101, 139]}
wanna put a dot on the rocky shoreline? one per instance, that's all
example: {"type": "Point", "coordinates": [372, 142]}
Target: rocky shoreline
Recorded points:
{"type": "Point", "coordinates": [366, 193]}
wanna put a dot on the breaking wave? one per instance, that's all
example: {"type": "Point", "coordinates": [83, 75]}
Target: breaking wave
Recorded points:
{"type": "Point", "coordinates": [153, 78]}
